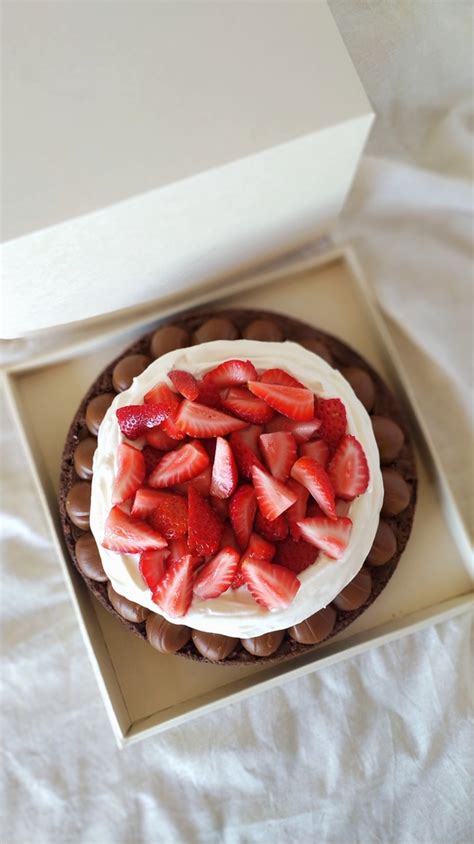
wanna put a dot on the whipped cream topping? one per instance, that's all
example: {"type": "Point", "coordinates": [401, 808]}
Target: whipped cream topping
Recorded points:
{"type": "Point", "coordinates": [235, 613]}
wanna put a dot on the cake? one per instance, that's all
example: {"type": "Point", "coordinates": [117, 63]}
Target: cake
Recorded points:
{"type": "Point", "coordinates": [262, 535]}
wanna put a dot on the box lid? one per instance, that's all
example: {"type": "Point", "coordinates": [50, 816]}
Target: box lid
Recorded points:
{"type": "Point", "coordinates": [149, 147]}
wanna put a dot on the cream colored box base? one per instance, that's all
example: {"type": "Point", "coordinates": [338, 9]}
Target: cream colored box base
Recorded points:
{"type": "Point", "coordinates": [146, 692]}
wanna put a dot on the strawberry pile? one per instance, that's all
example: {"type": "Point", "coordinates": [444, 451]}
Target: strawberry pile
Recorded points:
{"type": "Point", "coordinates": [234, 481]}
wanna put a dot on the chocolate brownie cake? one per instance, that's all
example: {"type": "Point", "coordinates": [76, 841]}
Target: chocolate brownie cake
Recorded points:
{"type": "Point", "coordinates": [398, 474]}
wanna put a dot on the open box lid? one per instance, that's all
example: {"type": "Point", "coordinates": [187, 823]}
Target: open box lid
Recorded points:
{"type": "Point", "coordinates": [153, 147]}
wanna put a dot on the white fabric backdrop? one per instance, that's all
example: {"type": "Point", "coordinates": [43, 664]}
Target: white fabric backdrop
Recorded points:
{"type": "Point", "coordinates": [378, 749]}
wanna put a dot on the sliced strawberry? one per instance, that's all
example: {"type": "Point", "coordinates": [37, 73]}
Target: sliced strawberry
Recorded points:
{"type": "Point", "coordinates": [331, 536]}
{"type": "Point", "coordinates": [131, 536]}
{"type": "Point", "coordinates": [204, 526]}
{"type": "Point", "coordinates": [333, 420]}
{"type": "Point", "coordinates": [209, 394]}
{"type": "Point", "coordinates": [181, 465]}
{"type": "Point", "coordinates": [296, 556]}
{"type": "Point", "coordinates": [152, 457]}
{"type": "Point", "coordinates": [231, 372]}
{"type": "Point", "coordinates": [297, 510]}
{"type": "Point", "coordinates": [273, 497]}
{"type": "Point", "coordinates": [274, 531]}
{"type": "Point", "coordinates": [174, 592]}
{"type": "Point", "coordinates": [250, 436]}
{"type": "Point", "coordinates": [302, 431]}
{"type": "Point", "coordinates": [129, 474]}
{"type": "Point", "coordinates": [158, 439]}
{"type": "Point", "coordinates": [242, 509]}
{"type": "Point", "coordinates": [241, 402]}
{"type": "Point", "coordinates": [217, 575]}
{"type": "Point", "coordinates": [273, 587]}
{"type": "Point", "coordinates": [161, 394]}
{"type": "Point", "coordinates": [170, 516]}
{"type": "Point", "coordinates": [152, 566]}
{"type": "Point", "coordinates": [259, 548]}
{"type": "Point", "coordinates": [245, 450]}
{"type": "Point", "coordinates": [279, 452]}
{"type": "Point", "coordinates": [221, 506]}
{"type": "Point", "coordinates": [202, 483]}
{"type": "Point", "coordinates": [171, 429]}
{"type": "Point", "coordinates": [228, 536]}
{"type": "Point", "coordinates": [293, 402]}
{"type": "Point", "coordinates": [318, 450]}
{"type": "Point", "coordinates": [197, 420]}
{"type": "Point", "coordinates": [311, 475]}
{"type": "Point", "coordinates": [210, 446]}
{"type": "Point", "coordinates": [135, 419]}
{"type": "Point", "coordinates": [238, 580]}
{"type": "Point", "coordinates": [146, 500]}
{"type": "Point", "coordinates": [184, 383]}
{"type": "Point", "coordinates": [348, 469]}
{"type": "Point", "coordinates": [279, 376]}
{"type": "Point", "coordinates": [178, 549]}
{"type": "Point", "coordinates": [224, 470]}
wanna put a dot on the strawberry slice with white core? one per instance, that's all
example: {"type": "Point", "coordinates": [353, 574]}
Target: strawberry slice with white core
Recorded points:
{"type": "Point", "coordinates": [217, 575]}
{"type": "Point", "coordinates": [242, 403]}
{"type": "Point", "coordinates": [245, 449]}
{"type": "Point", "coordinates": [129, 474]}
{"type": "Point", "coordinates": [161, 394]}
{"type": "Point", "coordinates": [297, 510]}
{"type": "Point", "coordinates": [198, 420]}
{"type": "Point", "coordinates": [311, 475]}
{"type": "Point", "coordinates": [181, 465]}
{"type": "Point", "coordinates": [279, 452]}
{"type": "Point", "coordinates": [145, 502]}
{"type": "Point", "coordinates": [131, 536]}
{"type": "Point", "coordinates": [184, 383]}
{"type": "Point", "coordinates": [331, 536]}
{"type": "Point", "coordinates": [231, 372]}
{"type": "Point", "coordinates": [279, 376]}
{"type": "Point", "coordinates": [135, 419]}
{"type": "Point", "coordinates": [318, 450]}
{"type": "Point", "coordinates": [272, 586]}
{"type": "Point", "coordinates": [174, 592]}
{"type": "Point", "coordinates": [242, 509]}
{"type": "Point", "coordinates": [273, 496]}
{"type": "Point", "coordinates": [159, 439]}
{"type": "Point", "coordinates": [152, 566]}
{"type": "Point", "coordinates": [293, 402]}
{"type": "Point", "coordinates": [178, 549]}
{"type": "Point", "coordinates": [224, 471]}
{"type": "Point", "coordinates": [348, 469]}
{"type": "Point", "coordinates": [260, 548]}
{"type": "Point", "coordinates": [302, 431]}
{"type": "Point", "coordinates": [201, 483]}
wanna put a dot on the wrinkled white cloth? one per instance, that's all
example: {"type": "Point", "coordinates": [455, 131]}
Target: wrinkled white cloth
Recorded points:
{"type": "Point", "coordinates": [375, 749]}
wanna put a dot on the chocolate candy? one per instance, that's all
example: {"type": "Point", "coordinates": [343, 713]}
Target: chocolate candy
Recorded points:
{"type": "Point", "coordinates": [356, 593]}
{"type": "Point", "coordinates": [88, 558]}
{"type": "Point", "coordinates": [216, 328]}
{"type": "Point", "coordinates": [265, 645]}
{"type": "Point", "coordinates": [213, 646]}
{"type": "Point", "coordinates": [96, 410]}
{"type": "Point", "coordinates": [129, 610]}
{"type": "Point", "coordinates": [315, 628]}
{"type": "Point", "coordinates": [165, 637]}
{"type": "Point", "coordinates": [317, 347]}
{"type": "Point", "coordinates": [263, 329]}
{"type": "Point", "coordinates": [389, 437]}
{"type": "Point", "coordinates": [83, 456]}
{"type": "Point", "coordinates": [167, 339]}
{"type": "Point", "coordinates": [396, 493]}
{"type": "Point", "coordinates": [384, 546]}
{"type": "Point", "coordinates": [127, 369]}
{"type": "Point", "coordinates": [362, 384]}
{"type": "Point", "coordinates": [78, 504]}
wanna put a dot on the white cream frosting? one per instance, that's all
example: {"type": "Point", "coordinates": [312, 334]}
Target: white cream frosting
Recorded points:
{"type": "Point", "coordinates": [235, 613]}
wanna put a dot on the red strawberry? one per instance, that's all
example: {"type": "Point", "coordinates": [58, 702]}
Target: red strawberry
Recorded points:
{"type": "Point", "coordinates": [348, 469]}
{"type": "Point", "coordinates": [129, 474]}
{"type": "Point", "coordinates": [152, 457]}
{"type": "Point", "coordinates": [204, 526]}
{"type": "Point", "coordinates": [279, 452]}
{"type": "Point", "coordinates": [273, 497]}
{"type": "Point", "coordinates": [162, 395]}
{"type": "Point", "coordinates": [302, 431]}
{"type": "Point", "coordinates": [228, 536]}
{"type": "Point", "coordinates": [221, 506]}
{"type": "Point", "coordinates": [146, 500]}
{"type": "Point", "coordinates": [209, 394]}
{"type": "Point", "coordinates": [273, 587]}
{"type": "Point", "coordinates": [224, 471]}
{"type": "Point", "coordinates": [318, 450]}
{"type": "Point", "coordinates": [294, 402]}
{"type": "Point", "coordinates": [296, 556]}
{"type": "Point", "coordinates": [259, 548]}
{"type": "Point", "coordinates": [313, 509]}
{"type": "Point", "coordinates": [238, 580]}
{"type": "Point", "coordinates": [231, 372]}
{"type": "Point", "coordinates": [331, 536]}
{"type": "Point", "coordinates": [152, 566]}
{"type": "Point", "coordinates": [178, 549]}
{"type": "Point", "coordinates": [197, 420]}
{"type": "Point", "coordinates": [184, 383]}
{"type": "Point", "coordinates": [311, 475]}
{"type": "Point", "coordinates": [170, 516]}
{"type": "Point", "coordinates": [279, 376]}
{"type": "Point", "coordinates": [242, 508]}
{"type": "Point", "coordinates": [158, 439]}
{"type": "Point", "coordinates": [181, 465]}
{"type": "Point", "coordinates": [135, 419]}
{"type": "Point", "coordinates": [242, 403]}
{"type": "Point", "coordinates": [217, 575]}
{"type": "Point", "coordinates": [202, 483]}
{"type": "Point", "coordinates": [245, 450]}
{"type": "Point", "coordinates": [274, 531]}
{"type": "Point", "coordinates": [171, 429]}
{"type": "Point", "coordinates": [124, 533]}
{"type": "Point", "coordinates": [333, 420]}
{"type": "Point", "coordinates": [298, 509]}
{"type": "Point", "coordinates": [174, 592]}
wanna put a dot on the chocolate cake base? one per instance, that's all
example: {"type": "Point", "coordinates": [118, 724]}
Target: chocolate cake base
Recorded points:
{"type": "Point", "coordinates": [201, 326]}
